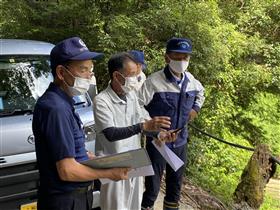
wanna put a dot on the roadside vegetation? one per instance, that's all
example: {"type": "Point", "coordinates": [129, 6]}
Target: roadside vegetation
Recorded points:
{"type": "Point", "coordinates": [236, 57]}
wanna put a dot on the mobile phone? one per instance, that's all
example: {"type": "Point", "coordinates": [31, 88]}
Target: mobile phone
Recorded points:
{"type": "Point", "coordinates": [178, 129]}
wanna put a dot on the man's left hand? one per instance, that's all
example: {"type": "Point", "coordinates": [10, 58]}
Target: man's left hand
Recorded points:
{"type": "Point", "coordinates": [192, 115]}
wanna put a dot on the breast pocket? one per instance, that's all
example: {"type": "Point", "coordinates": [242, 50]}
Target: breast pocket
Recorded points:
{"type": "Point", "coordinates": [79, 137]}
{"type": "Point", "coordinates": [171, 100]}
{"type": "Point", "coordinates": [164, 104]}
{"type": "Point", "coordinates": [78, 133]}
{"type": "Point", "coordinates": [189, 102]}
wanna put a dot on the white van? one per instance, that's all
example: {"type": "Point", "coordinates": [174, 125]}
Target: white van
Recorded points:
{"type": "Point", "coordinates": [24, 76]}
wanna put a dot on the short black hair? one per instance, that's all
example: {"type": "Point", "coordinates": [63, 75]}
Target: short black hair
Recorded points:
{"type": "Point", "coordinates": [117, 61]}
{"type": "Point", "coordinates": [66, 63]}
{"type": "Point", "coordinates": [53, 67]}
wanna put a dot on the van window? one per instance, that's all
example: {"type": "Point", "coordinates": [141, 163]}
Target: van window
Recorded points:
{"type": "Point", "coordinates": [23, 80]}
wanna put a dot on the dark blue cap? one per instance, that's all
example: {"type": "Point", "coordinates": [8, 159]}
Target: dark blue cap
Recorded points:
{"type": "Point", "coordinates": [179, 45]}
{"type": "Point", "coordinates": [71, 49]}
{"type": "Point", "coordinates": [139, 57]}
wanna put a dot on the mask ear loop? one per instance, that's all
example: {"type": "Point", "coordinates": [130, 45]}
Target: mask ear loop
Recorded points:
{"type": "Point", "coordinates": [122, 77]}
{"type": "Point", "coordinates": [168, 58]}
{"type": "Point", "coordinates": [68, 71]}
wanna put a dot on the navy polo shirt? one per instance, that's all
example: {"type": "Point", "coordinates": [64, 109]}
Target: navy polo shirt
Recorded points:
{"type": "Point", "coordinates": [58, 134]}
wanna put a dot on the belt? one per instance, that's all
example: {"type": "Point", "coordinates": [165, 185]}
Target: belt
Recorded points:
{"type": "Point", "coordinates": [83, 189]}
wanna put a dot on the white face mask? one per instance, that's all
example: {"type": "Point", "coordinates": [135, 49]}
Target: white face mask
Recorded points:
{"type": "Point", "coordinates": [130, 83]}
{"type": "Point", "coordinates": [141, 79]}
{"type": "Point", "coordinates": [80, 87]}
{"type": "Point", "coordinates": [178, 66]}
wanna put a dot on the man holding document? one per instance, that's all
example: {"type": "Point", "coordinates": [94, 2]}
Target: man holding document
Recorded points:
{"type": "Point", "coordinates": [175, 93]}
{"type": "Point", "coordinates": [65, 183]}
{"type": "Point", "coordinates": [119, 123]}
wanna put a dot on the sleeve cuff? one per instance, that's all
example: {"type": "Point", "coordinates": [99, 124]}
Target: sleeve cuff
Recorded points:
{"type": "Point", "coordinates": [196, 108]}
{"type": "Point", "coordinates": [139, 128]}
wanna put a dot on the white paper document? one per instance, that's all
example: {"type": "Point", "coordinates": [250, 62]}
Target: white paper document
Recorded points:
{"type": "Point", "coordinates": [143, 171]}
{"type": "Point", "coordinates": [171, 158]}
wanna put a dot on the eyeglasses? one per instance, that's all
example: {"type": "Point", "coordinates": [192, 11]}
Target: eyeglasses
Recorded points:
{"type": "Point", "coordinates": [179, 58]}
{"type": "Point", "coordinates": [83, 70]}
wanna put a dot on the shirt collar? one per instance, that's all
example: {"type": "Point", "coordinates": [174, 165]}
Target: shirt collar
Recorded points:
{"type": "Point", "coordinates": [53, 87]}
{"type": "Point", "coordinates": [178, 80]}
{"type": "Point", "coordinates": [114, 97]}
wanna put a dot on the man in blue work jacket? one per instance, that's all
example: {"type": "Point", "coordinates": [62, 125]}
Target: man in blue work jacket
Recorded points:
{"type": "Point", "coordinates": [65, 183]}
{"type": "Point", "coordinates": [172, 92]}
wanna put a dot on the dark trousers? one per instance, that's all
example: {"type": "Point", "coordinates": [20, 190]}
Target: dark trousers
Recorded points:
{"type": "Point", "coordinates": [173, 179]}
{"type": "Point", "coordinates": [67, 201]}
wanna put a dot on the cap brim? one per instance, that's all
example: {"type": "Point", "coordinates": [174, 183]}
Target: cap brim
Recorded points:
{"type": "Point", "coordinates": [88, 55]}
{"type": "Point", "coordinates": [181, 51]}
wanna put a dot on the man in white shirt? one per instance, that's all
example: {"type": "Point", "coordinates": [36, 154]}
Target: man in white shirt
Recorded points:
{"type": "Point", "coordinates": [119, 123]}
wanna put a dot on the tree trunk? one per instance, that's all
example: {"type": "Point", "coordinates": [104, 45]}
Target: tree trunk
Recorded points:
{"type": "Point", "coordinates": [249, 193]}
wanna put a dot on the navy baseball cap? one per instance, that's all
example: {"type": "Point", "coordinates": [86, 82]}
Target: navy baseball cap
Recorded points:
{"type": "Point", "coordinates": [71, 49]}
{"type": "Point", "coordinates": [139, 57]}
{"type": "Point", "coordinates": [179, 45]}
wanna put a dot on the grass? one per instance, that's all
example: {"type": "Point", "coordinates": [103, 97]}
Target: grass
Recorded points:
{"type": "Point", "coordinates": [270, 203]}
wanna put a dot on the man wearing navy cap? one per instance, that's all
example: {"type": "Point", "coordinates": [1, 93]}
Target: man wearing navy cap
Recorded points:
{"type": "Point", "coordinates": [175, 93]}
{"type": "Point", "coordinates": [59, 138]}
{"type": "Point", "coordinates": [141, 65]}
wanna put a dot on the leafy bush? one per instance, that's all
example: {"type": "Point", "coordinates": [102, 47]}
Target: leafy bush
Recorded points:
{"type": "Point", "coordinates": [236, 57]}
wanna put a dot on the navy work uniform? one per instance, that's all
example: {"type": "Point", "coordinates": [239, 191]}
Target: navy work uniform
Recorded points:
{"type": "Point", "coordinates": [58, 135]}
{"type": "Point", "coordinates": [164, 95]}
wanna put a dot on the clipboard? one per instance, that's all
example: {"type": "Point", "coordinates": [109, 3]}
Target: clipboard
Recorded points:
{"type": "Point", "coordinates": [132, 159]}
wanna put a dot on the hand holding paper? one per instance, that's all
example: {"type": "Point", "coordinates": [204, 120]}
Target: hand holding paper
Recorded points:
{"type": "Point", "coordinates": [143, 171]}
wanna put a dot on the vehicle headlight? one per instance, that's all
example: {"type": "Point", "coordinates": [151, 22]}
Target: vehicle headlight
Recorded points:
{"type": "Point", "coordinates": [90, 131]}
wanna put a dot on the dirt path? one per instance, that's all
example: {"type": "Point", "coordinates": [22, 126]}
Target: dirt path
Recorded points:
{"type": "Point", "coordinates": [273, 188]}
{"type": "Point", "coordinates": [159, 203]}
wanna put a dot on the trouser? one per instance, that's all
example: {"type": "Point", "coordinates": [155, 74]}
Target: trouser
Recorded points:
{"type": "Point", "coordinates": [79, 199]}
{"type": "Point", "coordinates": [173, 179]}
{"type": "Point", "coordinates": [97, 186]}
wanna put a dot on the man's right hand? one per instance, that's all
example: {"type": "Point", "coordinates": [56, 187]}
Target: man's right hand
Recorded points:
{"type": "Point", "coordinates": [167, 136]}
{"type": "Point", "coordinates": [117, 174]}
{"type": "Point", "coordinates": [157, 123]}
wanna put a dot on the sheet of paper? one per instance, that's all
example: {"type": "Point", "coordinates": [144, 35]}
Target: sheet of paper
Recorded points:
{"type": "Point", "coordinates": [143, 171]}
{"type": "Point", "coordinates": [171, 158]}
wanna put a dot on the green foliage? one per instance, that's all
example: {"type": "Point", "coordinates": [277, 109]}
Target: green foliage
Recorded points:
{"type": "Point", "coordinates": [264, 115]}
{"type": "Point", "coordinates": [270, 203]}
{"type": "Point", "coordinates": [236, 57]}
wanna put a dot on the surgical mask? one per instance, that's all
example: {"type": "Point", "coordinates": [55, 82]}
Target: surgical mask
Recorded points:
{"type": "Point", "coordinates": [141, 79]}
{"type": "Point", "coordinates": [130, 84]}
{"type": "Point", "coordinates": [81, 85]}
{"type": "Point", "coordinates": [178, 66]}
